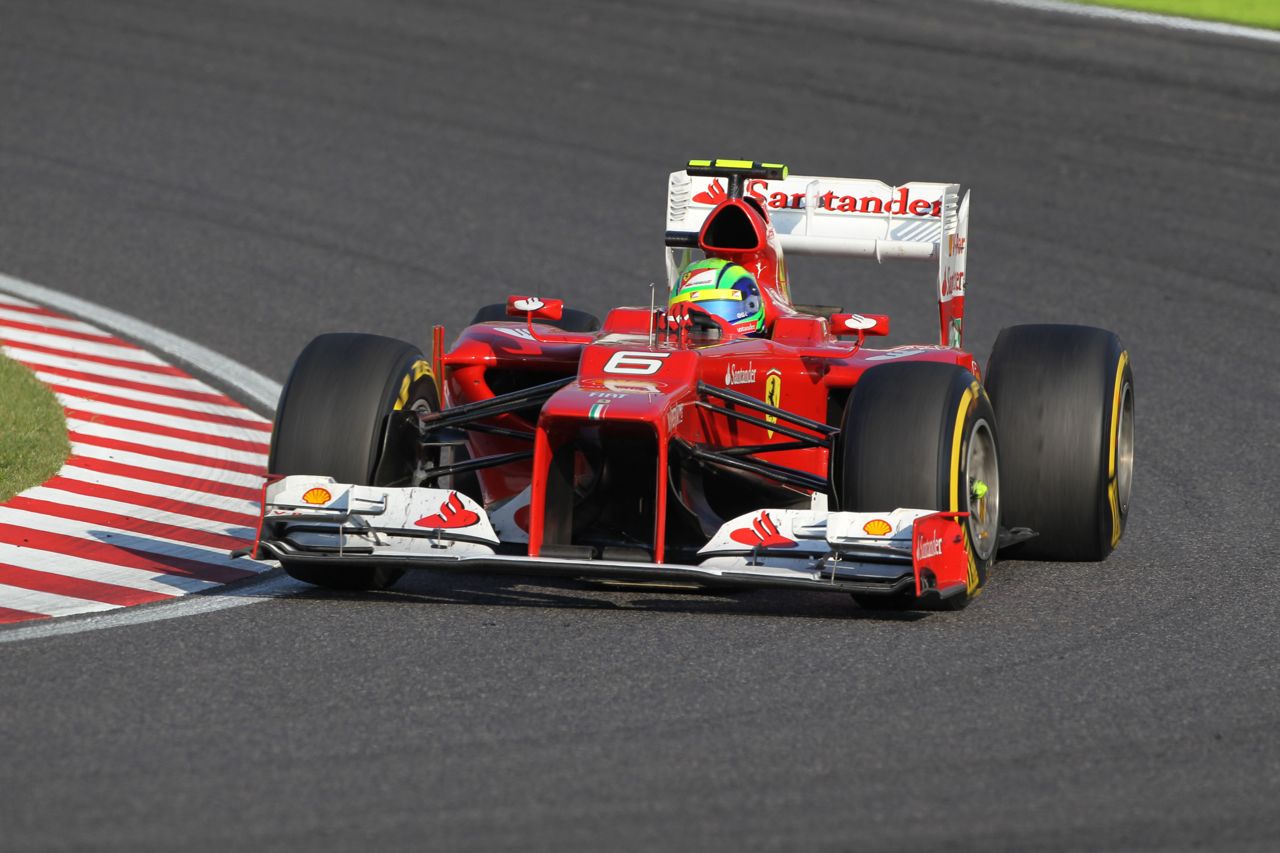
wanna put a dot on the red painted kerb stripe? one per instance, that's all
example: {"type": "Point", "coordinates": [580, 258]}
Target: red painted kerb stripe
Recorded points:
{"type": "Point", "coordinates": [8, 615]}
{"type": "Point", "coordinates": [129, 557]}
{"type": "Point", "coordinates": [128, 496]}
{"type": "Point", "coordinates": [51, 582]}
{"type": "Point", "coordinates": [128, 523]}
{"type": "Point", "coordinates": [165, 478]}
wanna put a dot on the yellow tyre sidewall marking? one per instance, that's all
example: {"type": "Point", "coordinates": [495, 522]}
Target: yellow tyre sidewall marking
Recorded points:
{"type": "Point", "coordinates": [967, 401]}
{"type": "Point", "coordinates": [1113, 493]}
{"type": "Point", "coordinates": [419, 369]}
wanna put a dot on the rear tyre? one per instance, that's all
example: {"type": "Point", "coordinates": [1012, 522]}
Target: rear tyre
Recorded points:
{"type": "Point", "coordinates": [572, 320]}
{"type": "Point", "coordinates": [1063, 396]}
{"type": "Point", "coordinates": [923, 435]}
{"type": "Point", "coordinates": [332, 419]}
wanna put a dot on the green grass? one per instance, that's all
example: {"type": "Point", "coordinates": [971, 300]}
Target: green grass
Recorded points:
{"type": "Point", "coordinates": [33, 432]}
{"type": "Point", "coordinates": [1255, 13]}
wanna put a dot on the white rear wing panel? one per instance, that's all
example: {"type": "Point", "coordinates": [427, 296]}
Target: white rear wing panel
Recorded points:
{"type": "Point", "coordinates": [845, 217]}
{"type": "Point", "coordinates": [853, 217]}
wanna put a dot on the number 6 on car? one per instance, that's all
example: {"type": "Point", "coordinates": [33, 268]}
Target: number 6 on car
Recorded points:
{"type": "Point", "coordinates": [636, 363]}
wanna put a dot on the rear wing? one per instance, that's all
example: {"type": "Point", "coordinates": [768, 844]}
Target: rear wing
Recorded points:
{"type": "Point", "coordinates": [845, 217]}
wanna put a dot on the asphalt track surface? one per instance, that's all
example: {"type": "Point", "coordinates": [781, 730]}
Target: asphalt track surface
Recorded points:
{"type": "Point", "coordinates": [251, 174]}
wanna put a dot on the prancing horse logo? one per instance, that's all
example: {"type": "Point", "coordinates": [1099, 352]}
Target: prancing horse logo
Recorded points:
{"type": "Point", "coordinates": [773, 396]}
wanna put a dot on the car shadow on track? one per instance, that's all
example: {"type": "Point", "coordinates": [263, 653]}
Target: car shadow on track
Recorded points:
{"type": "Point", "coordinates": [518, 591]}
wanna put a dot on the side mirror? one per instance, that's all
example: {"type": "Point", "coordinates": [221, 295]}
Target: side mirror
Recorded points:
{"type": "Point", "coordinates": [535, 307]}
{"type": "Point", "coordinates": [860, 324]}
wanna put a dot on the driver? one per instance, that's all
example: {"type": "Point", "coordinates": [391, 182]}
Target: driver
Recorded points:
{"type": "Point", "coordinates": [724, 290]}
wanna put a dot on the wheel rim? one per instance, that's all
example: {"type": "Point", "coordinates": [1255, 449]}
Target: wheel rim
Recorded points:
{"type": "Point", "coordinates": [1124, 448]}
{"type": "Point", "coordinates": [983, 501]}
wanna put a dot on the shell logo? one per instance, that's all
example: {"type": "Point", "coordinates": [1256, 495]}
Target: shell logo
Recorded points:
{"type": "Point", "coordinates": [877, 527]}
{"type": "Point", "coordinates": [317, 495]}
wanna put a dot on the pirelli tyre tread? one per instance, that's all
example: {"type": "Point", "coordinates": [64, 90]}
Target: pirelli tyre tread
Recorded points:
{"type": "Point", "coordinates": [331, 420]}
{"type": "Point", "coordinates": [909, 436]}
{"type": "Point", "coordinates": [1063, 396]}
{"type": "Point", "coordinates": [572, 320]}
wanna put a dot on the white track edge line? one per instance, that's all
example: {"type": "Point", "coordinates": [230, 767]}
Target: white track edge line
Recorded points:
{"type": "Point", "coordinates": [257, 387]}
{"type": "Point", "coordinates": [1151, 19]}
{"type": "Point", "coordinates": [254, 385]}
{"type": "Point", "coordinates": [193, 604]}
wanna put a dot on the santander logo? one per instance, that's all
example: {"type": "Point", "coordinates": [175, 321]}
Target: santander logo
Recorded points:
{"type": "Point", "coordinates": [926, 548]}
{"type": "Point", "coordinates": [735, 376]}
{"type": "Point", "coordinates": [763, 533]}
{"type": "Point", "coordinates": [900, 203]}
{"type": "Point", "coordinates": [857, 321]}
{"type": "Point", "coordinates": [952, 285]}
{"type": "Point", "coordinates": [531, 303]}
{"type": "Point", "coordinates": [452, 514]}
{"type": "Point", "coordinates": [712, 195]}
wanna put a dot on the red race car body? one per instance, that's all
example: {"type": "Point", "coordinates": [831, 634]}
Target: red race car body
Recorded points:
{"type": "Point", "coordinates": [661, 447]}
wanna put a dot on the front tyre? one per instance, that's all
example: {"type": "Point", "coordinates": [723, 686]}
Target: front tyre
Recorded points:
{"type": "Point", "coordinates": [332, 420]}
{"type": "Point", "coordinates": [1064, 398]}
{"type": "Point", "coordinates": [923, 436]}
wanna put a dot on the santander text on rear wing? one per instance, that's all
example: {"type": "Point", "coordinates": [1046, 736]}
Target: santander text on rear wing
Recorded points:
{"type": "Point", "coordinates": [846, 217]}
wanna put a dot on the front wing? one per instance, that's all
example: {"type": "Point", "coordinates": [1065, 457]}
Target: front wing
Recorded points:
{"type": "Point", "coordinates": [310, 520]}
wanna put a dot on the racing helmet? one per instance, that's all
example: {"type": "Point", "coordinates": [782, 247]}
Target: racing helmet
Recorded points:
{"type": "Point", "coordinates": [724, 290]}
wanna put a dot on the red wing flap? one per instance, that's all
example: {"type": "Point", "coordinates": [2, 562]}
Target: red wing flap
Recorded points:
{"type": "Point", "coordinates": [256, 551]}
{"type": "Point", "coordinates": [938, 554]}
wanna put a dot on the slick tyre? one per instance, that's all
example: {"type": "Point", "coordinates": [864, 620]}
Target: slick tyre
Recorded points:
{"type": "Point", "coordinates": [572, 320]}
{"type": "Point", "coordinates": [923, 435]}
{"type": "Point", "coordinates": [332, 420]}
{"type": "Point", "coordinates": [1063, 396]}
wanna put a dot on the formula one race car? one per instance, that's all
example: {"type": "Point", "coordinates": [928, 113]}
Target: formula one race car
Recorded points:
{"type": "Point", "coordinates": [729, 438]}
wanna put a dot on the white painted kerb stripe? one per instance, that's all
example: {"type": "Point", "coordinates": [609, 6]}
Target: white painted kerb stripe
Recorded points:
{"type": "Point", "coordinates": [155, 514]}
{"type": "Point", "coordinates": [32, 359]}
{"type": "Point", "coordinates": [123, 351]}
{"type": "Point", "coordinates": [8, 315]}
{"type": "Point", "coordinates": [1149, 19]}
{"type": "Point", "coordinates": [159, 399]}
{"type": "Point", "coordinates": [248, 382]}
{"type": "Point", "coordinates": [84, 568]}
{"type": "Point", "coordinates": [34, 601]}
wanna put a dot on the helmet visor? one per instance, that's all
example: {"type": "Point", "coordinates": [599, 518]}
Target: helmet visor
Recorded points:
{"type": "Point", "coordinates": [727, 303]}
